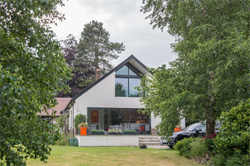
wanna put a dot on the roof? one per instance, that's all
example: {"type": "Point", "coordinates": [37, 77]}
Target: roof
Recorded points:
{"type": "Point", "coordinates": [132, 57]}
{"type": "Point", "coordinates": [62, 103]}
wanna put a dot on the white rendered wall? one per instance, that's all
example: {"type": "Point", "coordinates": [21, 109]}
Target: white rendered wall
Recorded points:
{"type": "Point", "coordinates": [108, 140]}
{"type": "Point", "coordinates": [155, 121]}
{"type": "Point", "coordinates": [102, 95]}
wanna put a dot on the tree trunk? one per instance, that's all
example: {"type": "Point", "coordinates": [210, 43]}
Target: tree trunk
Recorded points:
{"type": "Point", "coordinates": [210, 124]}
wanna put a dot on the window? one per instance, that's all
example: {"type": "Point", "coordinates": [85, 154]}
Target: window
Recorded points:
{"type": "Point", "coordinates": [122, 118]}
{"type": "Point", "coordinates": [127, 78]}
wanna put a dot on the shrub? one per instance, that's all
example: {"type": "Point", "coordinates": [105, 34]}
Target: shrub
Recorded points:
{"type": "Point", "coordinates": [234, 136]}
{"type": "Point", "coordinates": [219, 160]}
{"type": "Point", "coordinates": [82, 125]}
{"type": "Point", "coordinates": [237, 161]}
{"type": "Point", "coordinates": [209, 143]}
{"type": "Point", "coordinates": [129, 131]}
{"type": "Point", "coordinates": [97, 131]}
{"type": "Point", "coordinates": [80, 118]}
{"type": "Point", "coordinates": [63, 141]}
{"type": "Point", "coordinates": [184, 147]}
{"type": "Point", "coordinates": [198, 148]}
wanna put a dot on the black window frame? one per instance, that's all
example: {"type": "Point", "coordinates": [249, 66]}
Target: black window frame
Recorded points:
{"type": "Point", "coordinates": [136, 71]}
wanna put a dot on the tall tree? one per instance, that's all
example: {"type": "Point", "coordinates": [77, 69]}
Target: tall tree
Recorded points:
{"type": "Point", "coordinates": [69, 47]}
{"type": "Point", "coordinates": [95, 50]}
{"type": "Point", "coordinates": [32, 70]}
{"type": "Point", "coordinates": [213, 61]}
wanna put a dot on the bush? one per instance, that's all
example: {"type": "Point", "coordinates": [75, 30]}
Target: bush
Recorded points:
{"type": "Point", "coordinates": [129, 131]}
{"type": "Point", "coordinates": [80, 118]}
{"type": "Point", "coordinates": [184, 147]}
{"type": "Point", "coordinates": [198, 148]}
{"type": "Point", "coordinates": [219, 160]}
{"type": "Point", "coordinates": [234, 136]}
{"type": "Point", "coordinates": [97, 131]}
{"type": "Point", "coordinates": [63, 141]}
{"type": "Point", "coordinates": [82, 125]}
{"type": "Point", "coordinates": [209, 143]}
{"type": "Point", "coordinates": [237, 161]}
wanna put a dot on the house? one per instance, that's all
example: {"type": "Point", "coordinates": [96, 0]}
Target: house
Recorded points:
{"type": "Point", "coordinates": [57, 110]}
{"type": "Point", "coordinates": [112, 103]}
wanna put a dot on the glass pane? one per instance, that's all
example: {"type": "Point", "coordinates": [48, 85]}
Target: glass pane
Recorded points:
{"type": "Point", "coordinates": [121, 87]}
{"type": "Point", "coordinates": [106, 119]}
{"type": "Point", "coordinates": [122, 71]}
{"type": "Point", "coordinates": [96, 120]}
{"type": "Point", "coordinates": [133, 71]}
{"type": "Point", "coordinates": [139, 122]}
{"type": "Point", "coordinates": [134, 82]}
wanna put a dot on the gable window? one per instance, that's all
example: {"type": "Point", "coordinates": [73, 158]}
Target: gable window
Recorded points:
{"type": "Point", "coordinates": [126, 79]}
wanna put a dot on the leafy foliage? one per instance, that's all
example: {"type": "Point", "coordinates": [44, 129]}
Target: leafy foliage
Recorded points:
{"type": "Point", "coordinates": [198, 148]}
{"type": "Point", "coordinates": [192, 147]}
{"type": "Point", "coordinates": [234, 135]}
{"type": "Point", "coordinates": [221, 160]}
{"type": "Point", "coordinates": [80, 118]}
{"type": "Point", "coordinates": [64, 140]}
{"type": "Point", "coordinates": [69, 47]}
{"type": "Point", "coordinates": [158, 89]}
{"type": "Point", "coordinates": [94, 50]}
{"type": "Point", "coordinates": [211, 73]}
{"type": "Point", "coordinates": [209, 143]}
{"type": "Point", "coordinates": [32, 70]}
{"type": "Point", "coordinates": [97, 131]}
{"type": "Point", "coordinates": [184, 146]}
{"type": "Point", "coordinates": [129, 131]}
{"type": "Point", "coordinates": [60, 121]}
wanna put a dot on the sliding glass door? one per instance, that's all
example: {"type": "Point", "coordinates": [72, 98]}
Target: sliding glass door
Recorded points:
{"type": "Point", "coordinates": [123, 119]}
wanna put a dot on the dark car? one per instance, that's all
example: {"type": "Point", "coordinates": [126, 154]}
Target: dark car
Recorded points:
{"type": "Point", "coordinates": [193, 130]}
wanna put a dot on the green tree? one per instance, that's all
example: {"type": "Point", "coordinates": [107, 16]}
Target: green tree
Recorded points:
{"type": "Point", "coordinates": [234, 136]}
{"type": "Point", "coordinates": [95, 50]}
{"type": "Point", "coordinates": [32, 70]}
{"type": "Point", "coordinates": [213, 61]}
{"type": "Point", "coordinates": [80, 118]}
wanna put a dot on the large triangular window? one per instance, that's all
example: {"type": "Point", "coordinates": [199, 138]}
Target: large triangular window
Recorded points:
{"type": "Point", "coordinates": [129, 70]}
{"type": "Point", "coordinates": [126, 81]}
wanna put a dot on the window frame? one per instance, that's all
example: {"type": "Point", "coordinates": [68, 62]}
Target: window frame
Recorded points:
{"type": "Point", "coordinates": [138, 76]}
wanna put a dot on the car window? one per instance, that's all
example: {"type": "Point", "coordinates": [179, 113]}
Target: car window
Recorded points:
{"type": "Point", "coordinates": [202, 127]}
{"type": "Point", "coordinates": [191, 127]}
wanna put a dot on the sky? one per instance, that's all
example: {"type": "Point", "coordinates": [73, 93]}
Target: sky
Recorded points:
{"type": "Point", "coordinates": [125, 23]}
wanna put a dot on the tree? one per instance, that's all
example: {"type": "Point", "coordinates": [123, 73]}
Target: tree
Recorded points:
{"type": "Point", "coordinates": [234, 136]}
{"type": "Point", "coordinates": [69, 47]}
{"type": "Point", "coordinates": [95, 51]}
{"type": "Point", "coordinates": [213, 61]}
{"type": "Point", "coordinates": [32, 70]}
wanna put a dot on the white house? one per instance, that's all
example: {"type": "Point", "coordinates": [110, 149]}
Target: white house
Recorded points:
{"type": "Point", "coordinates": [113, 102]}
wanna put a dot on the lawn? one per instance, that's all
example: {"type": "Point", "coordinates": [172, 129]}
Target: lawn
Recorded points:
{"type": "Point", "coordinates": [112, 156]}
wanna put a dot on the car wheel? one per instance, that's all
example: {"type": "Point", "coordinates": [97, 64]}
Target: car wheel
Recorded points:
{"type": "Point", "coordinates": [171, 147]}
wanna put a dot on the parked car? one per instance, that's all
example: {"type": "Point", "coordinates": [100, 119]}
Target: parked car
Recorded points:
{"type": "Point", "coordinates": [193, 130]}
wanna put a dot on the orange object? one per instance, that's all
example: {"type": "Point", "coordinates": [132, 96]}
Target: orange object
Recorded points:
{"type": "Point", "coordinates": [83, 131]}
{"type": "Point", "coordinates": [177, 129]}
{"type": "Point", "coordinates": [142, 128]}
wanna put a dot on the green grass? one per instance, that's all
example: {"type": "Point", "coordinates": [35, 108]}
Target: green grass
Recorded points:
{"type": "Point", "coordinates": [112, 156]}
